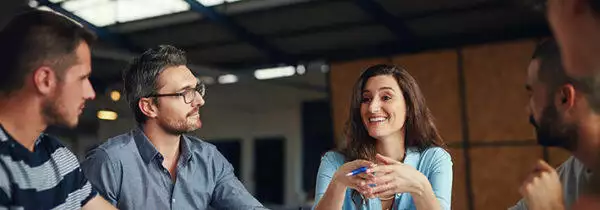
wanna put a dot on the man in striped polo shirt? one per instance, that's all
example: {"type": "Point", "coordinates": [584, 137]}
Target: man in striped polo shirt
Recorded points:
{"type": "Point", "coordinates": [46, 64]}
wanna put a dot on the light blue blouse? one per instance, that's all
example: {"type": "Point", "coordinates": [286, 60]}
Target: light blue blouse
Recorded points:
{"type": "Point", "coordinates": [435, 163]}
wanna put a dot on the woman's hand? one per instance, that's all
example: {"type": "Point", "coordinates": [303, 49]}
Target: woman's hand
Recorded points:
{"type": "Point", "coordinates": [358, 182]}
{"type": "Point", "coordinates": [394, 177]}
{"type": "Point", "coordinates": [336, 189]}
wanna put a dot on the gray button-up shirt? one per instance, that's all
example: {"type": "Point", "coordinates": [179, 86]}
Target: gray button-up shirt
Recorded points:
{"type": "Point", "coordinates": [127, 170]}
{"type": "Point", "coordinates": [574, 177]}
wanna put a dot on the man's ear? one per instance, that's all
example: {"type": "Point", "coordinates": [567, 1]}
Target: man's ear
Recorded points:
{"type": "Point", "coordinates": [44, 80]}
{"type": "Point", "coordinates": [148, 107]}
{"type": "Point", "coordinates": [565, 98]}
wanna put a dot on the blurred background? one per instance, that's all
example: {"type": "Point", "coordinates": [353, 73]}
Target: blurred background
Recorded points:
{"type": "Point", "coordinates": [280, 73]}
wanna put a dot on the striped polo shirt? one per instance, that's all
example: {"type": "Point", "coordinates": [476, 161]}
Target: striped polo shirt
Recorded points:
{"type": "Point", "coordinates": [47, 178]}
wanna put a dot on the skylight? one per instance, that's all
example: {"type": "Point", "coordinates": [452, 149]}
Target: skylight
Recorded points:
{"type": "Point", "coordinates": [210, 3]}
{"type": "Point", "coordinates": [109, 12]}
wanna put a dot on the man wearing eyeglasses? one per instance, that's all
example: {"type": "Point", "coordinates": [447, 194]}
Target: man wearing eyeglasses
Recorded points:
{"type": "Point", "coordinates": [156, 166]}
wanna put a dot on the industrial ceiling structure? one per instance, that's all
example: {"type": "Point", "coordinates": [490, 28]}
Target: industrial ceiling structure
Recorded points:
{"type": "Point", "coordinates": [240, 36]}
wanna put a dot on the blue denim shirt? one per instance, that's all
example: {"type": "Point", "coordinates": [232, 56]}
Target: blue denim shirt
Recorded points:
{"type": "Point", "coordinates": [435, 163]}
{"type": "Point", "coordinates": [127, 170]}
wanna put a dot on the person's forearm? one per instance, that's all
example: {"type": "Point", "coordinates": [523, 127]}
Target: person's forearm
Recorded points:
{"type": "Point", "coordinates": [97, 202]}
{"type": "Point", "coordinates": [333, 197]}
{"type": "Point", "coordinates": [424, 197]}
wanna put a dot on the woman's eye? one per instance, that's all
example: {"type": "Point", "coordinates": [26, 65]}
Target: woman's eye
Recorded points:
{"type": "Point", "coordinates": [365, 100]}
{"type": "Point", "coordinates": [386, 98]}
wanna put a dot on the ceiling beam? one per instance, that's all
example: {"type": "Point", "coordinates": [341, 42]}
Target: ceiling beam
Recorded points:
{"type": "Point", "coordinates": [470, 38]}
{"type": "Point", "coordinates": [245, 7]}
{"type": "Point", "coordinates": [379, 14]}
{"type": "Point", "coordinates": [275, 54]}
{"type": "Point", "coordinates": [102, 33]}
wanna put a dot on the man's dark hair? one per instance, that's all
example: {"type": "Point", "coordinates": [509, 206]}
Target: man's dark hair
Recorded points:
{"type": "Point", "coordinates": [35, 38]}
{"type": "Point", "coordinates": [551, 69]}
{"type": "Point", "coordinates": [141, 77]}
{"type": "Point", "coordinates": [553, 74]}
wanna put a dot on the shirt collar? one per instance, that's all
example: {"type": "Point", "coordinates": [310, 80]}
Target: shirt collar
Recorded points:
{"type": "Point", "coordinates": [149, 152]}
{"type": "Point", "coordinates": [145, 147]}
{"type": "Point", "coordinates": [17, 148]}
{"type": "Point", "coordinates": [186, 151]}
{"type": "Point", "coordinates": [4, 136]}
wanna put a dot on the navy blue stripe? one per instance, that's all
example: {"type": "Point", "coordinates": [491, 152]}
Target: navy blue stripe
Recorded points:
{"type": "Point", "coordinates": [4, 200]}
{"type": "Point", "coordinates": [31, 198]}
{"type": "Point", "coordinates": [41, 154]}
{"type": "Point", "coordinates": [50, 198]}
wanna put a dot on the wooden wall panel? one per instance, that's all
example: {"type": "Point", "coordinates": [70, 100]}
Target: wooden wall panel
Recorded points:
{"type": "Point", "coordinates": [497, 174]}
{"type": "Point", "coordinates": [459, 188]}
{"type": "Point", "coordinates": [342, 77]}
{"type": "Point", "coordinates": [496, 102]}
{"type": "Point", "coordinates": [437, 76]}
{"type": "Point", "coordinates": [495, 76]}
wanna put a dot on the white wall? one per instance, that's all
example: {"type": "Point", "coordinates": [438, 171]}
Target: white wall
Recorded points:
{"type": "Point", "coordinates": [244, 111]}
{"type": "Point", "coordinates": [247, 126]}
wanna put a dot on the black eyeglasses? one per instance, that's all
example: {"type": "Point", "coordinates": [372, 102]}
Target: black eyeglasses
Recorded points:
{"type": "Point", "coordinates": [188, 94]}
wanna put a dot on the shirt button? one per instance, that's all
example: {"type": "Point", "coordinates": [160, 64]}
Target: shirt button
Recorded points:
{"type": "Point", "coordinates": [173, 200]}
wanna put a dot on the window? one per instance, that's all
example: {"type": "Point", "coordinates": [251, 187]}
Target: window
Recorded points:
{"type": "Point", "coordinates": [108, 12]}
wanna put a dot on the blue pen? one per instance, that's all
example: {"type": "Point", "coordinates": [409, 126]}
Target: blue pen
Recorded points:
{"type": "Point", "coordinates": [357, 171]}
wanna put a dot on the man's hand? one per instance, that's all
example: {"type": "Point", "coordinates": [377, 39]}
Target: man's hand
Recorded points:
{"type": "Point", "coordinates": [542, 189]}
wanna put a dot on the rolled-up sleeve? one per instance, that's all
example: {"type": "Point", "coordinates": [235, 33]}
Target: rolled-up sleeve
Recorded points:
{"type": "Point", "coordinates": [441, 178]}
{"type": "Point", "coordinates": [325, 173]}
{"type": "Point", "coordinates": [229, 192]}
{"type": "Point", "coordinates": [104, 175]}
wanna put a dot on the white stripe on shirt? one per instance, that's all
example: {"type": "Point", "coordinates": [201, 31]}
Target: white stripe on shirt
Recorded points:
{"type": "Point", "coordinates": [26, 177]}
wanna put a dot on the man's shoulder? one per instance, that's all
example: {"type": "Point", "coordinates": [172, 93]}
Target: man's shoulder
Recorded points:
{"type": "Point", "coordinates": [565, 171]}
{"type": "Point", "coordinates": [571, 165]}
{"type": "Point", "coordinates": [198, 145]}
{"type": "Point", "coordinates": [572, 175]}
{"type": "Point", "coordinates": [204, 150]}
{"type": "Point", "coordinates": [57, 161]}
{"type": "Point", "coordinates": [56, 152]}
{"type": "Point", "coordinates": [50, 142]}
{"type": "Point", "coordinates": [112, 151]}
{"type": "Point", "coordinates": [53, 170]}
{"type": "Point", "coordinates": [117, 144]}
